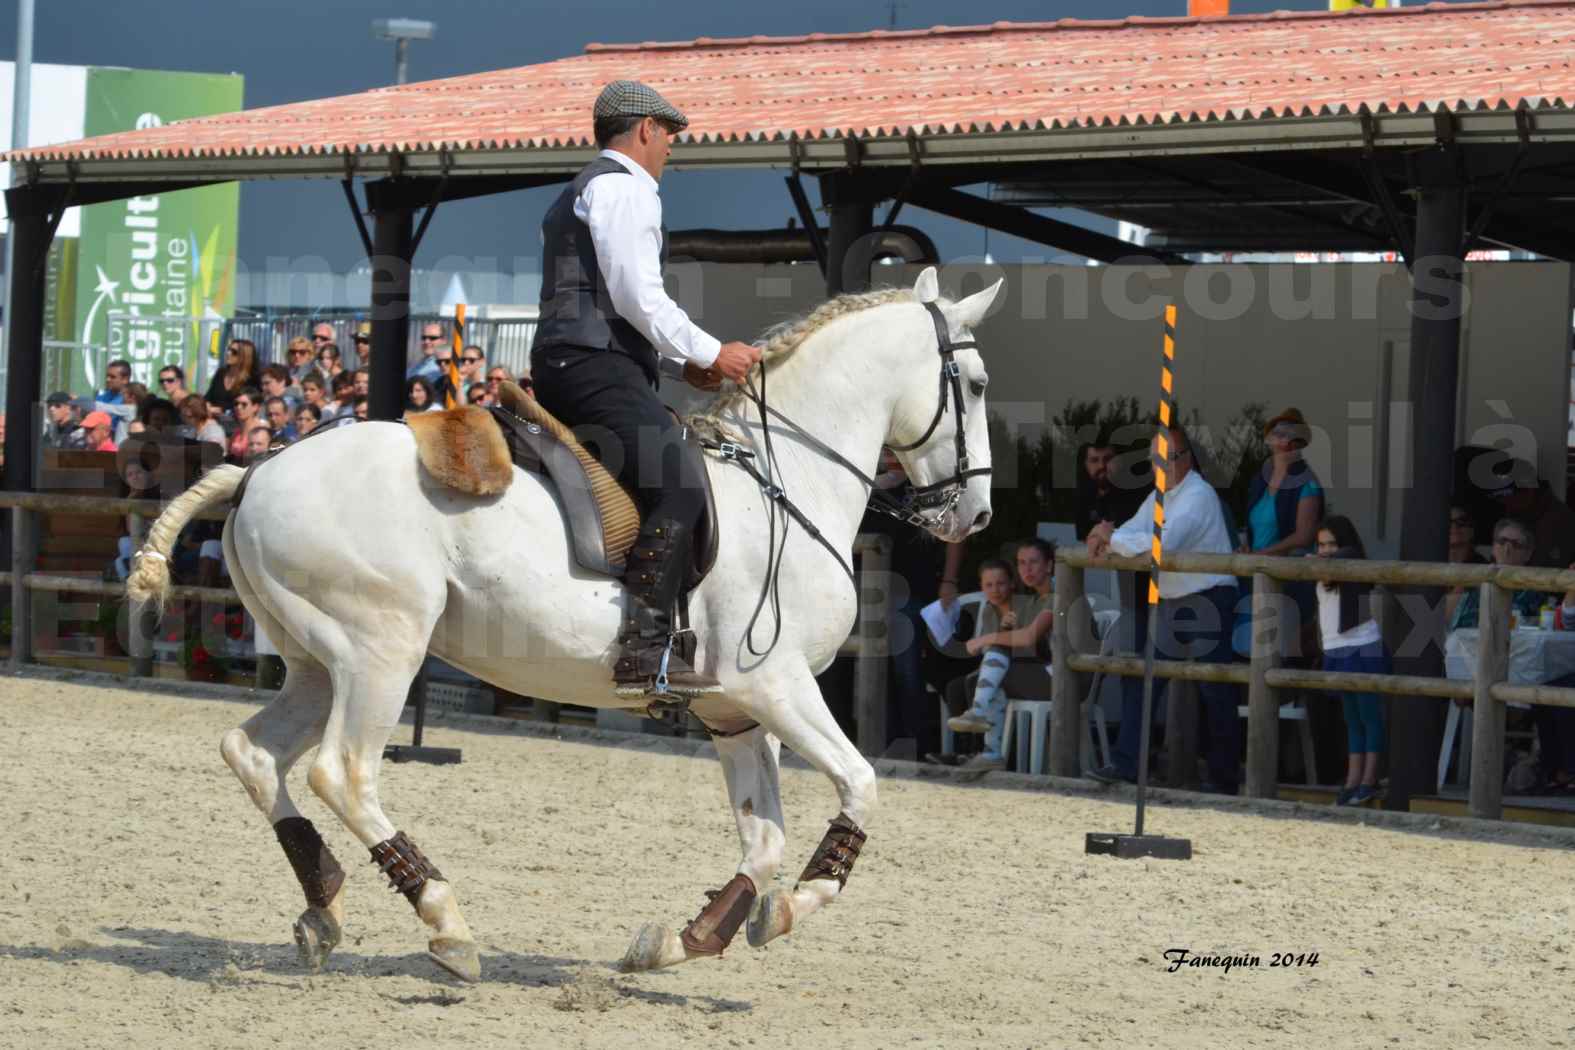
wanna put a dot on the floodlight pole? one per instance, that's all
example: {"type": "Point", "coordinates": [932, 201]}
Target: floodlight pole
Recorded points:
{"type": "Point", "coordinates": [401, 60]}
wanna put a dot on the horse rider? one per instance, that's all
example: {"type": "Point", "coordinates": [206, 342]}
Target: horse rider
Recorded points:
{"type": "Point", "coordinates": [605, 318]}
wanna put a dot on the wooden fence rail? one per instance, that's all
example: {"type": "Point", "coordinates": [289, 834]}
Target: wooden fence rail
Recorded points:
{"type": "Point", "coordinates": [1073, 645]}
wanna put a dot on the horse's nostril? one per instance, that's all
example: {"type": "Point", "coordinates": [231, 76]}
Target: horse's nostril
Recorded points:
{"type": "Point", "coordinates": [981, 519]}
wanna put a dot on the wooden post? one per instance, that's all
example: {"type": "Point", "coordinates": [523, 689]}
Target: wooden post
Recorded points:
{"type": "Point", "coordinates": [140, 623]}
{"type": "Point", "coordinates": [24, 549]}
{"type": "Point", "coordinates": [1263, 702]}
{"type": "Point", "coordinates": [869, 674]}
{"type": "Point", "coordinates": [1066, 686]}
{"type": "Point", "coordinates": [1487, 737]}
{"type": "Point", "coordinates": [1181, 734]}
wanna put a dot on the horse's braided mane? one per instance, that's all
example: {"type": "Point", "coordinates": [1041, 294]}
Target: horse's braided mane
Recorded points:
{"type": "Point", "coordinates": [782, 339]}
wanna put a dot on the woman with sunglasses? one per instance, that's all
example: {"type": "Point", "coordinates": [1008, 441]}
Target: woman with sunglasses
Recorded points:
{"type": "Point", "coordinates": [241, 369]}
{"type": "Point", "coordinates": [1512, 545]}
{"type": "Point", "coordinates": [302, 358]}
{"type": "Point", "coordinates": [247, 407]}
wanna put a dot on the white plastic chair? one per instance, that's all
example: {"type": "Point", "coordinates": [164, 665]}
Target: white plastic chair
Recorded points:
{"type": "Point", "coordinates": [1296, 711]}
{"type": "Point", "coordinates": [1031, 743]}
{"type": "Point", "coordinates": [1452, 726]}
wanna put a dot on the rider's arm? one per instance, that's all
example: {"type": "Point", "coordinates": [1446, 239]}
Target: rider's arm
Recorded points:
{"type": "Point", "coordinates": [625, 219]}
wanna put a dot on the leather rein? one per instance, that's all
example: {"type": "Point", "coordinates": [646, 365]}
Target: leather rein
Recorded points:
{"type": "Point", "coordinates": [924, 506]}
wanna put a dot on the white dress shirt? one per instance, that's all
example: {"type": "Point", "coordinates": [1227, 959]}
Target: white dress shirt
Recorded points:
{"type": "Point", "coordinates": [625, 219]}
{"type": "Point", "coordinates": [1194, 522]}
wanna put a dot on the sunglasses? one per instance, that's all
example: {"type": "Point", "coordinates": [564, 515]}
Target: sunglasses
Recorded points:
{"type": "Point", "coordinates": [300, 353]}
{"type": "Point", "coordinates": [470, 360]}
{"type": "Point", "coordinates": [431, 339]}
{"type": "Point", "coordinates": [322, 338]}
{"type": "Point", "coordinates": [167, 380]}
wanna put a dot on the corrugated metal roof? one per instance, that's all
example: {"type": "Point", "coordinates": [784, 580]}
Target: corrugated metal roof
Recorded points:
{"type": "Point", "coordinates": [945, 81]}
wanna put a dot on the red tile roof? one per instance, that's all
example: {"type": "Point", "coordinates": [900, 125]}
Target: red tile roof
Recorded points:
{"type": "Point", "coordinates": [945, 80]}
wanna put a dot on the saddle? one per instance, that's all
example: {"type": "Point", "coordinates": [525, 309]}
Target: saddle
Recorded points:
{"type": "Point", "coordinates": [474, 449]}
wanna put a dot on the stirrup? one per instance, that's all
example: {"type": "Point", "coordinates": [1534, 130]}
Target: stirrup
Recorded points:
{"type": "Point", "coordinates": [666, 691]}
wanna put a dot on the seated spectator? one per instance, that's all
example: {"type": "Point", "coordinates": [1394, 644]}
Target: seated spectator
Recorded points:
{"type": "Point", "coordinates": [328, 361]}
{"type": "Point", "coordinates": [1200, 606]}
{"type": "Point", "coordinates": [1552, 523]}
{"type": "Point", "coordinates": [976, 697]}
{"type": "Point", "coordinates": [363, 345]}
{"type": "Point", "coordinates": [258, 438]}
{"type": "Point", "coordinates": [495, 375]}
{"type": "Point", "coordinates": [248, 407]}
{"type": "Point", "coordinates": [1462, 551]}
{"type": "Point", "coordinates": [96, 429]}
{"type": "Point", "coordinates": [300, 354]}
{"type": "Point", "coordinates": [418, 396]}
{"type": "Point", "coordinates": [361, 407]}
{"type": "Point", "coordinates": [172, 384]}
{"type": "Point", "coordinates": [314, 393]}
{"type": "Point", "coordinates": [472, 366]}
{"type": "Point", "coordinates": [344, 393]}
{"type": "Point", "coordinates": [1513, 544]}
{"type": "Point", "coordinates": [157, 416]}
{"type": "Point", "coordinates": [276, 383]}
{"type": "Point", "coordinates": [1023, 636]}
{"type": "Point", "coordinates": [278, 412]}
{"type": "Point", "coordinates": [306, 419]}
{"type": "Point", "coordinates": [363, 383]}
{"type": "Point", "coordinates": [241, 371]}
{"type": "Point", "coordinates": [116, 375]}
{"type": "Point", "coordinates": [199, 425]}
{"type": "Point", "coordinates": [433, 344]}
{"type": "Point", "coordinates": [62, 430]}
{"type": "Point", "coordinates": [1352, 642]}
{"type": "Point", "coordinates": [477, 394]}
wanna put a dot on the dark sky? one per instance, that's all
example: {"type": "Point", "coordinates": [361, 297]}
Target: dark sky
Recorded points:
{"type": "Point", "coordinates": [291, 50]}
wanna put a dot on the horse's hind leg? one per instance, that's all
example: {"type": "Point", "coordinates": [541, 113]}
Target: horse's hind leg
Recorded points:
{"type": "Point", "coordinates": [802, 722]}
{"type": "Point", "coordinates": [368, 701]}
{"type": "Point", "coordinates": [750, 764]}
{"type": "Point", "coordinates": [261, 752]}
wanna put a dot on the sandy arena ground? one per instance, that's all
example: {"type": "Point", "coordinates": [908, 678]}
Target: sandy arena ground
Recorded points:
{"type": "Point", "coordinates": [149, 906]}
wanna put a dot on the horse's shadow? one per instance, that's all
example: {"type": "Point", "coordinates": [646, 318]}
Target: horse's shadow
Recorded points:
{"type": "Point", "coordinates": [212, 960]}
{"type": "Point", "coordinates": [209, 960]}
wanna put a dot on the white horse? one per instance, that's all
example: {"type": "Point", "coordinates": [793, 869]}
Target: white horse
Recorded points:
{"type": "Point", "coordinates": [357, 564]}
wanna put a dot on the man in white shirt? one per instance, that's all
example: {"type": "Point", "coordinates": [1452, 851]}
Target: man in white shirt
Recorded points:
{"type": "Point", "coordinates": [605, 320]}
{"type": "Point", "coordinates": [1196, 614]}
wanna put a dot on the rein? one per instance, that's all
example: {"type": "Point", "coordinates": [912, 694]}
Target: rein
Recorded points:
{"type": "Point", "coordinates": [924, 506]}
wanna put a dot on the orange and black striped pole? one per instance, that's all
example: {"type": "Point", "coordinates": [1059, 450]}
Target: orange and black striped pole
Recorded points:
{"type": "Point", "coordinates": [454, 396]}
{"type": "Point", "coordinates": [1163, 456]}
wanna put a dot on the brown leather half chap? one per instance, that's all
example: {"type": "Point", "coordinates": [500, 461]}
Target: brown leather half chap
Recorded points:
{"type": "Point", "coordinates": [316, 869]}
{"type": "Point", "coordinates": [836, 853]}
{"type": "Point", "coordinates": [713, 929]}
{"type": "Point", "coordinates": [406, 866]}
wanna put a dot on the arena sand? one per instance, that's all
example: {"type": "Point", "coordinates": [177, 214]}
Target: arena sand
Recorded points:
{"type": "Point", "coordinates": [149, 906]}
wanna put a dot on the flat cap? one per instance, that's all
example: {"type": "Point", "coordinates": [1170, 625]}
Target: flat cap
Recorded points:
{"type": "Point", "coordinates": [630, 98]}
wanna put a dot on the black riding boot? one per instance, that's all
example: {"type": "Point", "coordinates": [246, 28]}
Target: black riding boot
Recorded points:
{"type": "Point", "coordinates": [658, 563]}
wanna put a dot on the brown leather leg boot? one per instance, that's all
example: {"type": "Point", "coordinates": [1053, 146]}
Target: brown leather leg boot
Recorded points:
{"type": "Point", "coordinates": [650, 665]}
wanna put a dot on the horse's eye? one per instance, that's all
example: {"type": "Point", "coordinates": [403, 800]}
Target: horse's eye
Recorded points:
{"type": "Point", "coordinates": [977, 386]}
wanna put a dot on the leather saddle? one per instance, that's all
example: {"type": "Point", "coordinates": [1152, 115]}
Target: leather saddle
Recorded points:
{"type": "Point", "coordinates": [458, 448]}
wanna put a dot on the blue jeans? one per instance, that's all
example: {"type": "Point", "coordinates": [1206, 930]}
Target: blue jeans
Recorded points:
{"type": "Point", "coordinates": [1364, 712]}
{"type": "Point", "coordinates": [1194, 627]}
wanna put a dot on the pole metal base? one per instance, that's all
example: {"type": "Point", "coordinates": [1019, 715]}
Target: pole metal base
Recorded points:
{"type": "Point", "coordinates": [435, 756]}
{"type": "Point", "coordinates": [1129, 847]}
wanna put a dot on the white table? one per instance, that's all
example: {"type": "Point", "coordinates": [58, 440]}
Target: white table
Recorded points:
{"type": "Point", "coordinates": [1536, 657]}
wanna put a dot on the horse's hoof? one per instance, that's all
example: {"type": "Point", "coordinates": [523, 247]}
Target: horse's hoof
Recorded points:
{"type": "Point", "coordinates": [771, 918]}
{"type": "Point", "coordinates": [654, 947]}
{"type": "Point", "coordinates": [459, 958]}
{"type": "Point", "coordinates": [317, 934]}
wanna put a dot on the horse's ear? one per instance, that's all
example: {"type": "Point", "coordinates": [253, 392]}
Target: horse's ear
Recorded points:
{"type": "Point", "coordinates": [970, 311]}
{"type": "Point", "coordinates": [927, 288]}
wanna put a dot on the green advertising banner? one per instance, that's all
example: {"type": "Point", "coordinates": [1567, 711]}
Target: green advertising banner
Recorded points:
{"type": "Point", "coordinates": [151, 270]}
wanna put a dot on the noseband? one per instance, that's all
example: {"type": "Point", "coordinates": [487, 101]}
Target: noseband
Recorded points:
{"type": "Point", "coordinates": [927, 505]}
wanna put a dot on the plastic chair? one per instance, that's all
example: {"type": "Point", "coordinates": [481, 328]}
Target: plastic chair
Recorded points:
{"type": "Point", "coordinates": [1031, 743]}
{"type": "Point", "coordinates": [1452, 726]}
{"type": "Point", "coordinates": [1296, 711]}
{"type": "Point", "coordinates": [948, 735]}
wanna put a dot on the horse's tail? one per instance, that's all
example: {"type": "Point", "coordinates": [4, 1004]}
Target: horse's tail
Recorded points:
{"type": "Point", "coordinates": [150, 575]}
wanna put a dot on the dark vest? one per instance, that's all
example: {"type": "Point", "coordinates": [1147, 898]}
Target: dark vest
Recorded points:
{"type": "Point", "coordinates": [576, 309]}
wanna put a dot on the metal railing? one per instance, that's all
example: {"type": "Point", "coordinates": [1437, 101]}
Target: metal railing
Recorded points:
{"type": "Point", "coordinates": [1073, 647]}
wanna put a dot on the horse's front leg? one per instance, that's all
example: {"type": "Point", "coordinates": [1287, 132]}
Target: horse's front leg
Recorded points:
{"type": "Point", "coordinates": [805, 725]}
{"type": "Point", "coordinates": [750, 764]}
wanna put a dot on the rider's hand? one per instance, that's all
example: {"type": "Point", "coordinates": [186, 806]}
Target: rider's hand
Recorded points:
{"type": "Point", "coordinates": [735, 360]}
{"type": "Point", "coordinates": [702, 378]}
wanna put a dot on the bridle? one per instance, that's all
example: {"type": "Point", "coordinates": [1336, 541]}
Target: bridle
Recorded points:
{"type": "Point", "coordinates": [924, 506]}
{"type": "Point", "coordinates": [938, 498]}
